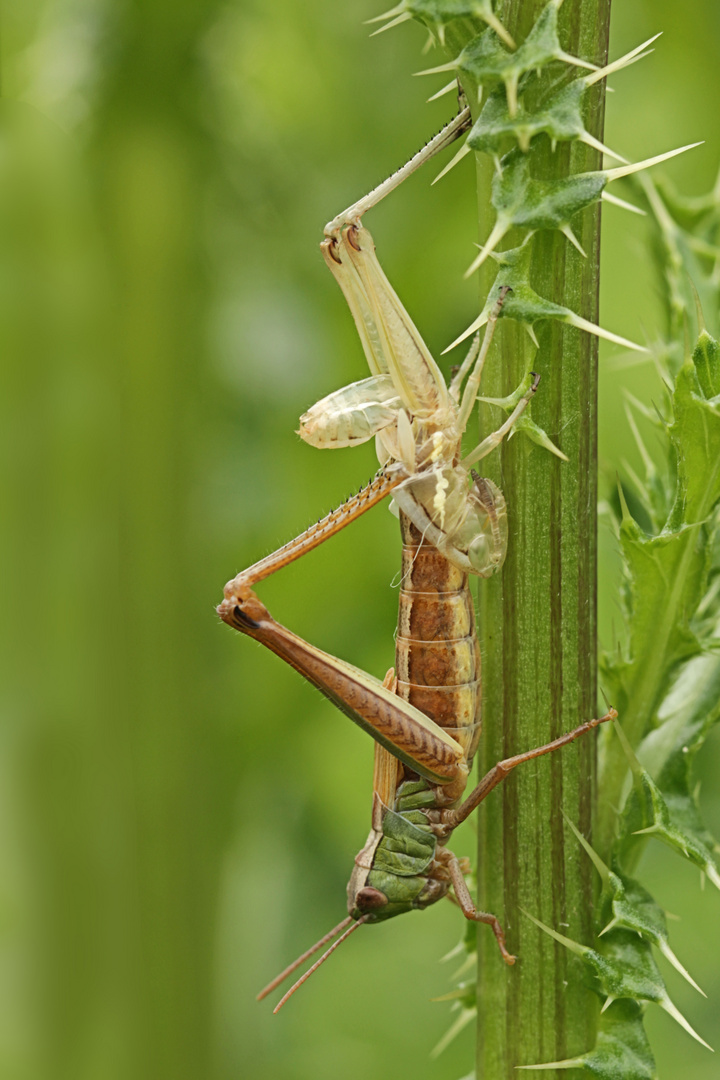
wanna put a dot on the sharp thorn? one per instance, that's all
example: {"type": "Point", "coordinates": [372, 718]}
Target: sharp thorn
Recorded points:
{"type": "Point", "coordinates": [598, 331]}
{"type": "Point", "coordinates": [389, 14]}
{"type": "Point", "coordinates": [575, 61]}
{"type": "Point", "coordinates": [480, 321]}
{"type": "Point", "coordinates": [624, 61]}
{"type": "Point", "coordinates": [393, 22]}
{"type": "Point", "coordinates": [615, 201]}
{"type": "Point", "coordinates": [445, 90]}
{"type": "Point", "coordinates": [627, 170]}
{"type": "Point", "coordinates": [457, 158]}
{"type": "Point", "coordinates": [498, 231]}
{"type": "Point", "coordinates": [567, 232]}
{"type": "Point", "coordinates": [436, 70]}
{"type": "Point", "coordinates": [673, 1011]}
{"type": "Point", "coordinates": [590, 140]}
{"type": "Point", "coordinates": [494, 23]}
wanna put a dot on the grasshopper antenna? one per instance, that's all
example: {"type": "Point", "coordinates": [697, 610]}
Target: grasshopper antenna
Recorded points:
{"type": "Point", "coordinates": [301, 959]}
{"type": "Point", "coordinates": [316, 965]}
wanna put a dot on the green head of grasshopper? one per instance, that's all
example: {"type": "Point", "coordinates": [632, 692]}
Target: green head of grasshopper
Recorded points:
{"type": "Point", "coordinates": [390, 875]}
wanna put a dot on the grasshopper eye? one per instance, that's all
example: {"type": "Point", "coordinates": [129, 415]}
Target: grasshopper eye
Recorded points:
{"type": "Point", "coordinates": [369, 899]}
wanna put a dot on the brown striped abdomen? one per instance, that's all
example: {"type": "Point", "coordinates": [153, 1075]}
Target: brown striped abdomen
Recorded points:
{"type": "Point", "coordinates": [437, 657]}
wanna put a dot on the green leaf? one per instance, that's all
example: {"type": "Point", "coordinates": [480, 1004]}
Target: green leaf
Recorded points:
{"type": "Point", "coordinates": [686, 717]}
{"type": "Point", "coordinates": [520, 201]}
{"type": "Point", "coordinates": [685, 260]}
{"type": "Point", "coordinates": [677, 823]}
{"type": "Point", "coordinates": [525, 423]}
{"type": "Point", "coordinates": [695, 435]}
{"type": "Point", "coordinates": [622, 1050]}
{"type": "Point", "coordinates": [487, 62]}
{"type": "Point", "coordinates": [521, 302]}
{"type": "Point", "coordinates": [657, 490]}
{"type": "Point", "coordinates": [625, 969]}
{"type": "Point", "coordinates": [706, 358]}
{"type": "Point", "coordinates": [627, 905]}
{"type": "Point", "coordinates": [560, 118]}
{"type": "Point", "coordinates": [667, 574]}
{"type": "Point", "coordinates": [436, 14]}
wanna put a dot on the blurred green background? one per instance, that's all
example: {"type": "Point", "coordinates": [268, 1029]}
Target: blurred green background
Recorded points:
{"type": "Point", "coordinates": [178, 812]}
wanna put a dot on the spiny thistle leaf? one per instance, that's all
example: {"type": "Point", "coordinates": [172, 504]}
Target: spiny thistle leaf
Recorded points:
{"type": "Point", "coordinates": [522, 303]}
{"type": "Point", "coordinates": [706, 359]}
{"type": "Point", "coordinates": [486, 61]}
{"type": "Point", "coordinates": [626, 904]}
{"type": "Point", "coordinates": [667, 585]}
{"type": "Point", "coordinates": [622, 1051]}
{"type": "Point", "coordinates": [686, 261]}
{"type": "Point", "coordinates": [624, 969]}
{"type": "Point", "coordinates": [695, 435]}
{"type": "Point", "coordinates": [525, 423]}
{"type": "Point", "coordinates": [560, 118]}
{"type": "Point", "coordinates": [678, 825]}
{"type": "Point", "coordinates": [436, 14]}
{"type": "Point", "coordinates": [667, 573]}
{"type": "Point", "coordinates": [521, 201]}
{"type": "Point", "coordinates": [656, 492]}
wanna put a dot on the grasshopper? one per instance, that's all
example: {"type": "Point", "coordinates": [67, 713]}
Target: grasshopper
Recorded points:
{"type": "Point", "coordinates": [425, 715]}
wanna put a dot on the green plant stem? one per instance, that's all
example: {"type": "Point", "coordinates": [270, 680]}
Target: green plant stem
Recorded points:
{"type": "Point", "coordinates": [538, 627]}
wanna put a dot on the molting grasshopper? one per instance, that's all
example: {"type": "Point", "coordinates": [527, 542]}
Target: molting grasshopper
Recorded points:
{"type": "Point", "coordinates": [425, 715]}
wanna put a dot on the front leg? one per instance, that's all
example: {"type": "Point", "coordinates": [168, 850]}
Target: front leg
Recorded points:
{"type": "Point", "coordinates": [357, 505]}
{"type": "Point", "coordinates": [464, 899]}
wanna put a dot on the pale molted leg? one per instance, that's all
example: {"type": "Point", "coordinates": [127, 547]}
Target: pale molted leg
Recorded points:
{"type": "Point", "coordinates": [391, 342]}
{"type": "Point", "coordinates": [460, 374]}
{"type": "Point", "coordinates": [352, 214]}
{"type": "Point", "coordinates": [361, 307]}
{"type": "Point", "coordinates": [416, 376]}
{"type": "Point", "coordinates": [473, 384]}
{"type": "Point", "coordinates": [496, 437]}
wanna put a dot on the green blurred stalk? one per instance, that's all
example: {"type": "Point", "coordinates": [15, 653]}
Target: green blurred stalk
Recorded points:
{"type": "Point", "coordinates": [103, 312]}
{"type": "Point", "coordinates": [538, 628]}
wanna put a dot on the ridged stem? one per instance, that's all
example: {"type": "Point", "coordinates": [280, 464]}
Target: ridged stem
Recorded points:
{"type": "Point", "coordinates": [537, 625]}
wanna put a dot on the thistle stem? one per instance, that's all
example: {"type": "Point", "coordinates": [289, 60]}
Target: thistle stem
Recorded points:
{"type": "Point", "coordinates": [538, 621]}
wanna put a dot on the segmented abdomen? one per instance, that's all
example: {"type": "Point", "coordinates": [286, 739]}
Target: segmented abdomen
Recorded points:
{"type": "Point", "coordinates": [437, 654]}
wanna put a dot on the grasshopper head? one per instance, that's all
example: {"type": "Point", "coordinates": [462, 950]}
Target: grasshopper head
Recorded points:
{"type": "Point", "coordinates": [394, 871]}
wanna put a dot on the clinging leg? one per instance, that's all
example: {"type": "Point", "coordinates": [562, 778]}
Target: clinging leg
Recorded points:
{"type": "Point", "coordinates": [495, 437]}
{"type": "Point", "coordinates": [452, 131]}
{"type": "Point", "coordinates": [467, 906]}
{"type": "Point", "coordinates": [380, 486]}
{"type": "Point", "coordinates": [503, 768]}
{"type": "Point", "coordinates": [452, 818]}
